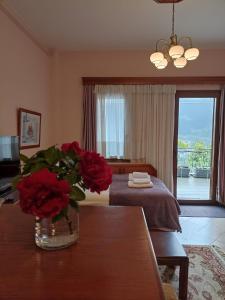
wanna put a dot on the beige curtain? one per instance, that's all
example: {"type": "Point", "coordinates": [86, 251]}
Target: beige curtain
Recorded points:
{"type": "Point", "coordinates": [150, 128]}
{"type": "Point", "coordinates": [149, 124]}
{"type": "Point", "coordinates": [221, 162]}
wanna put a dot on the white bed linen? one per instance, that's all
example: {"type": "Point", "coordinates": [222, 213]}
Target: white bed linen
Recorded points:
{"type": "Point", "coordinates": [95, 198]}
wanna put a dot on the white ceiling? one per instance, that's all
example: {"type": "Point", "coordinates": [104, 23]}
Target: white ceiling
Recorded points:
{"type": "Point", "coordinates": [119, 24]}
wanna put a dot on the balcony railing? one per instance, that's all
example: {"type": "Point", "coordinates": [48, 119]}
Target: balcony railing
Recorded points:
{"type": "Point", "coordinates": [192, 162]}
{"type": "Point", "coordinates": [193, 172]}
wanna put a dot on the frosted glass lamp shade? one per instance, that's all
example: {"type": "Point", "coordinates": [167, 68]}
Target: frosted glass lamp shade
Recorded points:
{"type": "Point", "coordinates": [156, 57]}
{"type": "Point", "coordinates": [191, 54]}
{"type": "Point", "coordinates": [180, 62]}
{"type": "Point", "coordinates": [176, 51]}
{"type": "Point", "coordinates": [162, 65]}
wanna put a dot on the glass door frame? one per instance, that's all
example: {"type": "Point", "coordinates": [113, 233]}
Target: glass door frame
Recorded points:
{"type": "Point", "coordinates": [215, 142]}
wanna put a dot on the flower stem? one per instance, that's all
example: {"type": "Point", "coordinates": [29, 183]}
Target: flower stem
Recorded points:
{"type": "Point", "coordinates": [69, 222]}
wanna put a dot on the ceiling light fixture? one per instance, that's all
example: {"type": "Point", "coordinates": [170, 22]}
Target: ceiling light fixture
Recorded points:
{"type": "Point", "coordinates": [173, 50]}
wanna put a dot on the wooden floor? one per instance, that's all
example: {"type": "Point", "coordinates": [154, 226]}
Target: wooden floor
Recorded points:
{"type": "Point", "coordinates": [202, 231]}
{"type": "Point", "coordinates": [193, 188]}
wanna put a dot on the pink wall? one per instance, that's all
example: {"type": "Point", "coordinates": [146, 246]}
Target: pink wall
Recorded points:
{"type": "Point", "coordinates": [72, 66]}
{"type": "Point", "coordinates": [24, 80]}
{"type": "Point", "coordinates": [31, 79]}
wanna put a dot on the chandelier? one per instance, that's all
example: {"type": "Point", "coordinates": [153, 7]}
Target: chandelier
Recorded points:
{"type": "Point", "coordinates": [175, 50]}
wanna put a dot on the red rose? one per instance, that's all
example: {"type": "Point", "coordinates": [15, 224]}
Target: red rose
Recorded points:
{"type": "Point", "coordinates": [42, 194]}
{"type": "Point", "coordinates": [74, 146]}
{"type": "Point", "coordinates": [96, 173]}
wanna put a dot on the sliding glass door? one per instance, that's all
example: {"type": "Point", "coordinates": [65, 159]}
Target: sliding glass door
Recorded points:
{"type": "Point", "coordinates": [195, 146]}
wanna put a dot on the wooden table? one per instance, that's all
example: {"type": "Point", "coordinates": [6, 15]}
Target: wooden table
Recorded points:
{"type": "Point", "coordinates": [113, 259]}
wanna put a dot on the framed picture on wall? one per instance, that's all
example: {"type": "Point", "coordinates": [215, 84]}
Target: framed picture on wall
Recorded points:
{"type": "Point", "coordinates": [29, 128]}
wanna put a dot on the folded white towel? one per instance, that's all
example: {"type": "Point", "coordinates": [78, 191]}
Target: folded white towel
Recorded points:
{"type": "Point", "coordinates": [131, 184]}
{"type": "Point", "coordinates": [139, 180]}
{"type": "Point", "coordinates": [140, 174]}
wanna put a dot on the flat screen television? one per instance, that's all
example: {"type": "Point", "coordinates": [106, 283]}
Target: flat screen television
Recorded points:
{"type": "Point", "coordinates": [9, 156]}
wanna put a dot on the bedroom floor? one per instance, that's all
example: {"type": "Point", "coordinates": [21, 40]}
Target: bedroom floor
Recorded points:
{"type": "Point", "coordinates": [202, 231]}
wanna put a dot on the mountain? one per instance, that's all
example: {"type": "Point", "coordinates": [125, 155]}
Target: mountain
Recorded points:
{"type": "Point", "coordinates": [196, 120]}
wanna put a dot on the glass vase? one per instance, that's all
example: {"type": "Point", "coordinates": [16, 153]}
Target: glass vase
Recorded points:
{"type": "Point", "coordinates": [57, 235]}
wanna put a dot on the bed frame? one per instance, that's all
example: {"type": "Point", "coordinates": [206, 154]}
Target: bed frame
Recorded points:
{"type": "Point", "coordinates": [122, 168]}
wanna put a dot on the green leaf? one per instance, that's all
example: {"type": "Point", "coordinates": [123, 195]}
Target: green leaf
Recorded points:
{"type": "Point", "coordinates": [72, 178]}
{"type": "Point", "coordinates": [15, 181]}
{"type": "Point", "coordinates": [71, 155]}
{"type": "Point", "coordinates": [57, 217]}
{"type": "Point", "coordinates": [38, 167]}
{"type": "Point", "coordinates": [26, 169]}
{"type": "Point", "coordinates": [58, 170]}
{"type": "Point", "coordinates": [39, 159]}
{"type": "Point", "coordinates": [52, 155]}
{"type": "Point", "coordinates": [77, 194]}
{"type": "Point", "coordinates": [74, 204]}
{"type": "Point", "coordinates": [24, 158]}
{"type": "Point", "coordinates": [62, 214]}
{"type": "Point", "coordinates": [40, 153]}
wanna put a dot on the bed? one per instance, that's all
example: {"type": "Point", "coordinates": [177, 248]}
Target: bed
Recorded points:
{"type": "Point", "coordinates": [160, 207]}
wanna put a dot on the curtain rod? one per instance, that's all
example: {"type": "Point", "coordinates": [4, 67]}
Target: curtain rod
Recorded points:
{"type": "Point", "coordinates": [153, 80]}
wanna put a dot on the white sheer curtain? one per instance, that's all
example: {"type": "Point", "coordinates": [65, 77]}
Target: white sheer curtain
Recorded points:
{"type": "Point", "coordinates": [110, 122]}
{"type": "Point", "coordinates": [148, 126]}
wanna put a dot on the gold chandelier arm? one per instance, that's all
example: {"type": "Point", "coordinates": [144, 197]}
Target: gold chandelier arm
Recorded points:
{"type": "Point", "coordinates": [164, 44]}
{"type": "Point", "coordinates": [186, 38]}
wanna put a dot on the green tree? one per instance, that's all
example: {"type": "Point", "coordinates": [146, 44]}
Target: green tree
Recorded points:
{"type": "Point", "coordinates": [182, 144]}
{"type": "Point", "coordinates": [201, 156]}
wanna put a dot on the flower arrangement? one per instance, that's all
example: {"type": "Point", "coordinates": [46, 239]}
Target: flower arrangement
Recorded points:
{"type": "Point", "coordinates": [54, 179]}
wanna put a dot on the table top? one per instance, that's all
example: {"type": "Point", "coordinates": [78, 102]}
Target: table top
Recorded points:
{"type": "Point", "coordinates": [113, 259]}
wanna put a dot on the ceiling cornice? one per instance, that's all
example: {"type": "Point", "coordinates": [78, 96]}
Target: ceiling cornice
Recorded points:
{"type": "Point", "coordinates": [20, 23]}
